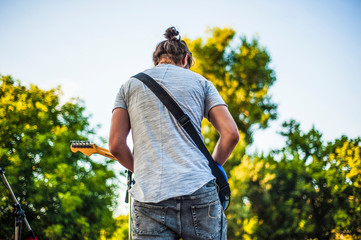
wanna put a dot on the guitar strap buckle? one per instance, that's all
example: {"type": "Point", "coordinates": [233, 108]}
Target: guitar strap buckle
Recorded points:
{"type": "Point", "coordinates": [183, 120]}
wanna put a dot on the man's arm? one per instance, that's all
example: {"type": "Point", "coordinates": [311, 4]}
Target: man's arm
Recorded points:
{"type": "Point", "coordinates": [119, 130]}
{"type": "Point", "coordinates": [222, 120]}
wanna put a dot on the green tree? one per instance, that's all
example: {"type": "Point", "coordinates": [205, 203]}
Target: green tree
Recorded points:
{"type": "Point", "coordinates": [122, 228]}
{"type": "Point", "coordinates": [343, 165]}
{"type": "Point", "coordinates": [250, 183]}
{"type": "Point", "coordinates": [307, 190]}
{"type": "Point", "coordinates": [240, 71]}
{"type": "Point", "coordinates": [65, 195]}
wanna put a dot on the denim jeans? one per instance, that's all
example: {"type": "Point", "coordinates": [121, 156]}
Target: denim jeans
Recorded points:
{"type": "Point", "coordinates": [196, 216]}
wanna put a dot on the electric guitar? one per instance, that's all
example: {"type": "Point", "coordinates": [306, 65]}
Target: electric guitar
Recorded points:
{"type": "Point", "coordinates": [88, 149]}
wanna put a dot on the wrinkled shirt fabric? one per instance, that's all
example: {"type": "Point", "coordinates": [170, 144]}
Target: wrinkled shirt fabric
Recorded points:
{"type": "Point", "coordinates": [167, 163]}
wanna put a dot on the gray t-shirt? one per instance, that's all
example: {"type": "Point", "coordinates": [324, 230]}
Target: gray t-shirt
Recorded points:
{"type": "Point", "coordinates": [166, 161]}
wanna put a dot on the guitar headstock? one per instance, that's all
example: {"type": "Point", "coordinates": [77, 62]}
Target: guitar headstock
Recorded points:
{"type": "Point", "coordinates": [84, 147]}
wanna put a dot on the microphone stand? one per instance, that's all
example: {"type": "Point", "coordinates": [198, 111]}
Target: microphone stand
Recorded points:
{"type": "Point", "coordinates": [18, 211]}
{"type": "Point", "coordinates": [128, 199]}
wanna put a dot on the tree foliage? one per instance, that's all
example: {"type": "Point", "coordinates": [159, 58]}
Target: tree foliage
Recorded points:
{"type": "Point", "coordinates": [122, 228]}
{"type": "Point", "coordinates": [307, 190]}
{"type": "Point", "coordinates": [65, 195]}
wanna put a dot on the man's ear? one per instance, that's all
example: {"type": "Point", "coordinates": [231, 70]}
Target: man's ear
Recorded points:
{"type": "Point", "coordinates": [185, 61]}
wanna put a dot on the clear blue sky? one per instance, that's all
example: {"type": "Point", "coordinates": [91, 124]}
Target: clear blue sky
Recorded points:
{"type": "Point", "coordinates": [91, 47]}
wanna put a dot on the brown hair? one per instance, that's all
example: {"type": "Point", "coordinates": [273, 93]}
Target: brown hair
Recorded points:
{"type": "Point", "coordinates": [172, 50]}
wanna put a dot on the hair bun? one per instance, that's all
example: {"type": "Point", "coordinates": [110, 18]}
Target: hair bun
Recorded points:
{"type": "Point", "coordinates": [171, 34]}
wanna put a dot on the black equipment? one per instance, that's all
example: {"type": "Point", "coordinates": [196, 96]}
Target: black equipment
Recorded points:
{"type": "Point", "coordinates": [18, 211]}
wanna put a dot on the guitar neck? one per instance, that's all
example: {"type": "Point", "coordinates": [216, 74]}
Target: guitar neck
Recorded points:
{"type": "Point", "coordinates": [104, 152]}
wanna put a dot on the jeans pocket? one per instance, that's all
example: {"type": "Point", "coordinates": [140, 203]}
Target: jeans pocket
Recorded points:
{"type": "Point", "coordinates": [207, 219]}
{"type": "Point", "coordinates": [148, 219]}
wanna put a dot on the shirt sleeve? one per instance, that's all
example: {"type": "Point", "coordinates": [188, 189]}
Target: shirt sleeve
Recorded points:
{"type": "Point", "coordinates": [213, 98]}
{"type": "Point", "coordinates": [120, 99]}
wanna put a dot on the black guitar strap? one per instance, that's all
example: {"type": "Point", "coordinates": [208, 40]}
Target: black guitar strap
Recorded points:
{"type": "Point", "coordinates": [186, 123]}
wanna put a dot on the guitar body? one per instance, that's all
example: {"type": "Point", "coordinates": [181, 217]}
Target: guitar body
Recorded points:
{"type": "Point", "coordinates": [224, 200]}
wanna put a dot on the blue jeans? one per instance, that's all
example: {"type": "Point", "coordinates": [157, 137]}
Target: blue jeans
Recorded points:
{"type": "Point", "coordinates": [196, 216]}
